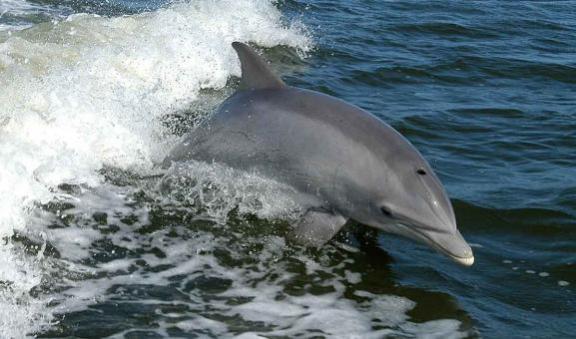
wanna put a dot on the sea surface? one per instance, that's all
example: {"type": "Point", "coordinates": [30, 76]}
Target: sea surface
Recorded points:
{"type": "Point", "coordinates": [96, 240]}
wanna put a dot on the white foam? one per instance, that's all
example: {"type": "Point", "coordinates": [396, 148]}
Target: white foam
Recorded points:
{"type": "Point", "coordinates": [88, 92]}
{"type": "Point", "coordinates": [261, 283]}
{"type": "Point", "coordinates": [212, 190]}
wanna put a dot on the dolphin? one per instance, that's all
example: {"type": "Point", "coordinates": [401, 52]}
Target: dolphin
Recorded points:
{"type": "Point", "coordinates": [345, 161]}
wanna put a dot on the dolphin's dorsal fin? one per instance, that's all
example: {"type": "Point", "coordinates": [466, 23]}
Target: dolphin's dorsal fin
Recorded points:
{"type": "Point", "coordinates": [255, 72]}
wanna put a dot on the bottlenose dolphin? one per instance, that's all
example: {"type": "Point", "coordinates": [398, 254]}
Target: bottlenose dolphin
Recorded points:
{"type": "Point", "coordinates": [348, 163]}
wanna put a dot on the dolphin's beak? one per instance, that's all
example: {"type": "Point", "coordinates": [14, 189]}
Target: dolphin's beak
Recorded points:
{"type": "Point", "coordinates": [465, 261]}
{"type": "Point", "coordinates": [452, 244]}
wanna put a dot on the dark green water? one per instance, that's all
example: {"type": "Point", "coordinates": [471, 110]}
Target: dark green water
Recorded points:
{"type": "Point", "coordinates": [486, 90]}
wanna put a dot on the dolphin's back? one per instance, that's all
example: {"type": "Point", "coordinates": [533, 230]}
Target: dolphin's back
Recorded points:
{"type": "Point", "coordinates": [294, 136]}
{"type": "Point", "coordinates": [291, 134]}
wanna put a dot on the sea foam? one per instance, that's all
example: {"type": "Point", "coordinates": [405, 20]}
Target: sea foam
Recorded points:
{"type": "Point", "coordinates": [86, 92]}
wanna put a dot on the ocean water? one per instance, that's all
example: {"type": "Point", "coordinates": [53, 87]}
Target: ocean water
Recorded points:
{"type": "Point", "coordinates": [98, 241]}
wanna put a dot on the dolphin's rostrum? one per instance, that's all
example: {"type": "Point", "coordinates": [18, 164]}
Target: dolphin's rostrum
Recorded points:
{"type": "Point", "coordinates": [348, 163]}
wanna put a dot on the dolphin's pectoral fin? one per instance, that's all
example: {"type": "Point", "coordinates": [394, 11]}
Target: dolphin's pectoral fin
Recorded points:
{"type": "Point", "coordinates": [317, 227]}
{"type": "Point", "coordinates": [256, 74]}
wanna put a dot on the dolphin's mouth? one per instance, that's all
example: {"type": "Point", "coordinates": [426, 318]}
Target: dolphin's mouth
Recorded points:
{"type": "Point", "coordinates": [464, 261]}
{"type": "Point", "coordinates": [452, 245]}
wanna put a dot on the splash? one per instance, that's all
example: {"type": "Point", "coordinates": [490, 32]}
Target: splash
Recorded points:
{"type": "Point", "coordinates": [87, 92]}
{"type": "Point", "coordinates": [196, 278]}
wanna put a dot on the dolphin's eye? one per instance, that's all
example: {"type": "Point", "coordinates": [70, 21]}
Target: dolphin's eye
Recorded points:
{"type": "Point", "coordinates": [386, 211]}
{"type": "Point", "coordinates": [421, 171]}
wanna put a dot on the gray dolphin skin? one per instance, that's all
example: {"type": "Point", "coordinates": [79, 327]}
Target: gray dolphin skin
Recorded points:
{"type": "Point", "coordinates": [345, 161]}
